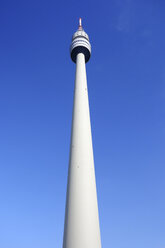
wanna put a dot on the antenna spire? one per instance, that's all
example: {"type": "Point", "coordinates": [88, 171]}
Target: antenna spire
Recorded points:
{"type": "Point", "coordinates": [80, 24]}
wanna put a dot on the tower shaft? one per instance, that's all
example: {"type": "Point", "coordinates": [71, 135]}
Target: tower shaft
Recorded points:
{"type": "Point", "coordinates": [81, 216]}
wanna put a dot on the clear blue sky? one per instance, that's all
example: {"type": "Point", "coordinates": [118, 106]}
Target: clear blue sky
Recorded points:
{"type": "Point", "coordinates": [126, 81]}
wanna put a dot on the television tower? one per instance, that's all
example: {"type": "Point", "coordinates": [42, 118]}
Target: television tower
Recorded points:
{"type": "Point", "coordinates": [81, 215]}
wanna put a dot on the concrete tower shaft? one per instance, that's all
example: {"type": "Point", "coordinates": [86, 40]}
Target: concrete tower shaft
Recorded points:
{"type": "Point", "coordinates": [81, 215]}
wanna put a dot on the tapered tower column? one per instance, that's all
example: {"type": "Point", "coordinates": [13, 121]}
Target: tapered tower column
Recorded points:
{"type": "Point", "coordinates": [81, 217]}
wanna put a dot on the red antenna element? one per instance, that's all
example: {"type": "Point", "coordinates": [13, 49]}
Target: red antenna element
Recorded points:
{"type": "Point", "coordinates": [80, 24]}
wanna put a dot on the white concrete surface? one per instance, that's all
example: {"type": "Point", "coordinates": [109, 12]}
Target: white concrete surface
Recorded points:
{"type": "Point", "coordinates": [81, 216]}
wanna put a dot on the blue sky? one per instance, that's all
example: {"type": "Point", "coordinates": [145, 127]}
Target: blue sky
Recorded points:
{"type": "Point", "coordinates": [126, 82]}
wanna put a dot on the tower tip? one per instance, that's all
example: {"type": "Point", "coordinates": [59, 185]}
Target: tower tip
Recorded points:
{"type": "Point", "coordinates": [80, 24]}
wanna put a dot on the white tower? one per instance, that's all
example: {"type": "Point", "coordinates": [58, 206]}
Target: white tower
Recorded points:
{"type": "Point", "coordinates": [81, 215]}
